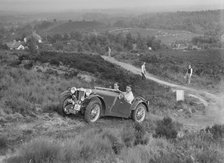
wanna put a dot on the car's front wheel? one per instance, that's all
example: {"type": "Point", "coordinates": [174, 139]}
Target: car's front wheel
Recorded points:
{"type": "Point", "coordinates": [93, 110]}
{"type": "Point", "coordinates": [139, 113]}
{"type": "Point", "coordinates": [64, 104]}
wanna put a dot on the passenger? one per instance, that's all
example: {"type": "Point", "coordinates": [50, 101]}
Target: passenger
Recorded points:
{"type": "Point", "coordinates": [128, 95]}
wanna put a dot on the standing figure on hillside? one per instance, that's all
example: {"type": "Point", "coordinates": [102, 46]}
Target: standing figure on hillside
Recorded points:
{"type": "Point", "coordinates": [143, 71]}
{"type": "Point", "coordinates": [188, 74]}
{"type": "Point", "coordinates": [109, 51]}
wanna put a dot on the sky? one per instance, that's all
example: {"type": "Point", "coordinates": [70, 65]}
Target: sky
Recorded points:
{"type": "Point", "coordinates": [62, 5]}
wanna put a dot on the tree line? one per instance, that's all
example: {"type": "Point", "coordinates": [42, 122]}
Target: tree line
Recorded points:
{"type": "Point", "coordinates": [99, 43]}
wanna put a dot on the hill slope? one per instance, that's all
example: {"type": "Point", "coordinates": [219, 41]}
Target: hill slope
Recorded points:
{"type": "Point", "coordinates": [83, 26]}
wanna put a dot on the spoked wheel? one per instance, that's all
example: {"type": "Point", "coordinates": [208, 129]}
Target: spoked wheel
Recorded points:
{"type": "Point", "coordinates": [93, 110]}
{"type": "Point", "coordinates": [139, 113]}
{"type": "Point", "coordinates": [64, 104]}
{"type": "Point", "coordinates": [67, 105]}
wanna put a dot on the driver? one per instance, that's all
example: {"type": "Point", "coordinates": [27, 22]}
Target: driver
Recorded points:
{"type": "Point", "coordinates": [116, 86]}
{"type": "Point", "coordinates": [128, 95]}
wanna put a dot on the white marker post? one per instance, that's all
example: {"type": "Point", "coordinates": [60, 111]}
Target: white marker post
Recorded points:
{"type": "Point", "coordinates": [179, 95]}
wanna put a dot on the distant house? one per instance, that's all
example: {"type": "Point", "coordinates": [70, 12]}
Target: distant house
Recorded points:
{"type": "Point", "coordinates": [21, 47]}
{"type": "Point", "coordinates": [15, 45]}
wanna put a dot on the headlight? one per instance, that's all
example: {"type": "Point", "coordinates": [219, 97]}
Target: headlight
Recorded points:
{"type": "Point", "coordinates": [73, 89]}
{"type": "Point", "coordinates": [88, 92]}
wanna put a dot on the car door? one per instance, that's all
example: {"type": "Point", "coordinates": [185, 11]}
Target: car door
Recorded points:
{"type": "Point", "coordinates": [121, 108]}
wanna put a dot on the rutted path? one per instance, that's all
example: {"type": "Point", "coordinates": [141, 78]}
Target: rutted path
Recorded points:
{"type": "Point", "coordinates": [214, 103]}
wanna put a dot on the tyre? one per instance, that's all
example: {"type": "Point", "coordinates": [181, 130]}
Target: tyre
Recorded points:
{"type": "Point", "coordinates": [64, 104]}
{"type": "Point", "coordinates": [93, 110]}
{"type": "Point", "coordinates": [139, 114]}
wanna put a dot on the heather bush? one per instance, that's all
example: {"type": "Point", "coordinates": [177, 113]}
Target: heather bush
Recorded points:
{"type": "Point", "coordinates": [217, 131]}
{"type": "Point", "coordinates": [134, 135]}
{"type": "Point", "coordinates": [116, 144]}
{"type": "Point", "coordinates": [127, 136]}
{"type": "Point", "coordinates": [166, 128]}
{"type": "Point", "coordinates": [140, 135]}
{"type": "Point", "coordinates": [3, 142]}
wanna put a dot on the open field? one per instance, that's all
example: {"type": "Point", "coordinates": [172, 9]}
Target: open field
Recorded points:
{"type": "Point", "coordinates": [166, 36]}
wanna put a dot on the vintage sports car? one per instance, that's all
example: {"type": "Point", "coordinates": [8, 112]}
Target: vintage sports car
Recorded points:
{"type": "Point", "coordinates": [99, 102]}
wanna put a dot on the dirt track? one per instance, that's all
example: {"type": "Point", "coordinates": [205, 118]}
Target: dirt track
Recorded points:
{"type": "Point", "coordinates": [214, 112]}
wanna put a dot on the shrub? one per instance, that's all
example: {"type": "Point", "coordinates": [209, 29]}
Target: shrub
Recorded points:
{"type": "Point", "coordinates": [134, 135]}
{"type": "Point", "coordinates": [217, 131]}
{"type": "Point", "coordinates": [128, 136]}
{"type": "Point", "coordinates": [209, 156]}
{"type": "Point", "coordinates": [166, 127]}
{"type": "Point", "coordinates": [115, 143]}
{"type": "Point", "coordinates": [3, 142]}
{"type": "Point", "coordinates": [140, 135]}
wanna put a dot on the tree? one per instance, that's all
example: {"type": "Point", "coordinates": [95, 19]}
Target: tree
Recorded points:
{"type": "Point", "coordinates": [32, 44]}
{"type": "Point", "coordinates": [129, 41]}
{"type": "Point", "coordinates": [58, 45]}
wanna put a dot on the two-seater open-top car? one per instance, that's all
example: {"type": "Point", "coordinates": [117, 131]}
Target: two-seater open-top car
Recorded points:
{"type": "Point", "coordinates": [99, 102]}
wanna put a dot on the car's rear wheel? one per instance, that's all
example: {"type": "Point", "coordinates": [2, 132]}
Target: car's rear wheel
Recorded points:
{"type": "Point", "coordinates": [139, 113]}
{"type": "Point", "coordinates": [93, 110]}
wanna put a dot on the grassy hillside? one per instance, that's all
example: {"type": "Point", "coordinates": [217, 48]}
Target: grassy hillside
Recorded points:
{"type": "Point", "coordinates": [81, 26]}
{"type": "Point", "coordinates": [41, 90]}
{"type": "Point", "coordinates": [196, 21]}
{"type": "Point", "coordinates": [28, 100]}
